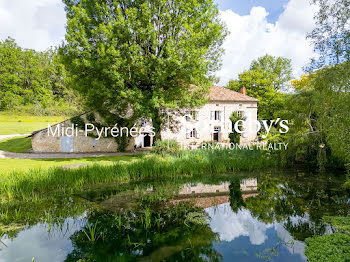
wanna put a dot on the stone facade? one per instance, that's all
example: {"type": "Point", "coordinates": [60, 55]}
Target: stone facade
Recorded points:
{"type": "Point", "coordinates": [43, 142]}
{"type": "Point", "coordinates": [212, 121]}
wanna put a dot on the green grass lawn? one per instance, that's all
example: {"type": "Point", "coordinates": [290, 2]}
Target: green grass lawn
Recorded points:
{"type": "Point", "coordinates": [10, 165]}
{"type": "Point", "coordinates": [16, 144]}
{"type": "Point", "coordinates": [22, 124]}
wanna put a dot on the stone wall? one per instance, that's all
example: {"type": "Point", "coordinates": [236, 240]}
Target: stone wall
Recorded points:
{"type": "Point", "coordinates": [42, 141]}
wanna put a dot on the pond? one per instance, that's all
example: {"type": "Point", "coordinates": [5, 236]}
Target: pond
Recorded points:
{"type": "Point", "coordinates": [232, 217]}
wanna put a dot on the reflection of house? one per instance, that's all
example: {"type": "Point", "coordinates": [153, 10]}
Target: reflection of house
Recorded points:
{"type": "Point", "coordinates": [249, 185]}
{"type": "Point", "coordinates": [246, 185]}
{"type": "Point", "coordinates": [206, 195]}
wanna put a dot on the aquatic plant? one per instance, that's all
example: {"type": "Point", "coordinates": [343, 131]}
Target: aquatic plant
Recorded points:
{"type": "Point", "coordinates": [91, 232]}
{"type": "Point", "coordinates": [334, 247]}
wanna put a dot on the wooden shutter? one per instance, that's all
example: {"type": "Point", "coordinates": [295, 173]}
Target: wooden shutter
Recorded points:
{"type": "Point", "coordinates": [197, 134]}
{"type": "Point", "coordinates": [188, 131]}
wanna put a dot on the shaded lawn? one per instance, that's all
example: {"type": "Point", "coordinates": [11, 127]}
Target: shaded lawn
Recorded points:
{"type": "Point", "coordinates": [18, 124]}
{"type": "Point", "coordinates": [16, 144]}
{"type": "Point", "coordinates": [10, 165]}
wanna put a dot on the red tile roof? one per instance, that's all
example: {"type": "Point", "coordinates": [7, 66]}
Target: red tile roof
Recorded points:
{"type": "Point", "coordinates": [218, 93]}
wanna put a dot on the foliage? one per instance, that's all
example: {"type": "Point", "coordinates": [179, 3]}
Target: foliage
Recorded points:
{"type": "Point", "coordinates": [166, 147]}
{"type": "Point", "coordinates": [32, 80]}
{"type": "Point", "coordinates": [143, 54]}
{"type": "Point", "coordinates": [234, 136]}
{"type": "Point", "coordinates": [334, 247]}
{"type": "Point", "coordinates": [236, 200]}
{"type": "Point", "coordinates": [78, 121]}
{"type": "Point", "coordinates": [331, 35]}
{"type": "Point", "coordinates": [331, 39]}
{"type": "Point", "coordinates": [264, 80]}
{"type": "Point", "coordinates": [17, 144]}
{"type": "Point", "coordinates": [318, 121]}
{"type": "Point", "coordinates": [342, 224]}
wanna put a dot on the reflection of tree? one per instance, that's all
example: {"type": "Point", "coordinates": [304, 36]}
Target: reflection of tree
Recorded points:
{"type": "Point", "coordinates": [285, 196]}
{"type": "Point", "coordinates": [146, 236]}
{"type": "Point", "coordinates": [236, 199]}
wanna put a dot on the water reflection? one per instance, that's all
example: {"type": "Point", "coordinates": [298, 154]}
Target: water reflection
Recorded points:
{"type": "Point", "coordinates": [218, 219]}
{"type": "Point", "coordinates": [49, 244]}
{"type": "Point", "coordinates": [235, 228]}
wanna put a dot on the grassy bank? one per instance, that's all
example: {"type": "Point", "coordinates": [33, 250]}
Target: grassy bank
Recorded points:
{"type": "Point", "coordinates": [16, 144]}
{"type": "Point", "coordinates": [188, 163]}
{"type": "Point", "coordinates": [21, 124]}
{"type": "Point", "coordinates": [9, 166]}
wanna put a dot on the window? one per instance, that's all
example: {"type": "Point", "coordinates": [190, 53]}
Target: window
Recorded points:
{"type": "Point", "coordinates": [143, 122]}
{"type": "Point", "coordinates": [240, 113]}
{"type": "Point", "coordinates": [215, 115]}
{"type": "Point", "coordinates": [192, 115]}
{"type": "Point", "coordinates": [192, 133]}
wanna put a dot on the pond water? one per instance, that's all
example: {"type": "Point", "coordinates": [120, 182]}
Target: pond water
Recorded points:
{"type": "Point", "coordinates": [233, 217]}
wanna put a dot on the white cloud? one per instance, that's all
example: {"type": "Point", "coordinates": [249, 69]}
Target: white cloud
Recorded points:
{"type": "Point", "coordinates": [251, 36]}
{"type": "Point", "coordinates": [230, 225]}
{"type": "Point", "coordinates": [35, 24]}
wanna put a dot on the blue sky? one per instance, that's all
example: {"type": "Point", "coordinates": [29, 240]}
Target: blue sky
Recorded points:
{"type": "Point", "coordinates": [243, 7]}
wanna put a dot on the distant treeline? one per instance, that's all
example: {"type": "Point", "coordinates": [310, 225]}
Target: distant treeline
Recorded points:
{"type": "Point", "coordinates": [34, 82]}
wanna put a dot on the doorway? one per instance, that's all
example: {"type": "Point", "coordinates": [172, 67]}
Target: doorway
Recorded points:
{"type": "Point", "coordinates": [146, 140]}
{"type": "Point", "coordinates": [216, 134]}
{"type": "Point", "coordinates": [67, 144]}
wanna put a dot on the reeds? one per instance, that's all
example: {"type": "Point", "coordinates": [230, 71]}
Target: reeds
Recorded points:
{"type": "Point", "coordinates": [23, 185]}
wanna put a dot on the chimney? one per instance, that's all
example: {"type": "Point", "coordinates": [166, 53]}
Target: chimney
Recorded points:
{"type": "Point", "coordinates": [243, 90]}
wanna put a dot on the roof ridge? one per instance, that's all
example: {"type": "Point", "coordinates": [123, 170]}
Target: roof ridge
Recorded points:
{"type": "Point", "coordinates": [219, 93]}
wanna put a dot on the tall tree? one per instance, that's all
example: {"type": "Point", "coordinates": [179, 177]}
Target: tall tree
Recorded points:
{"type": "Point", "coordinates": [331, 35]}
{"type": "Point", "coordinates": [131, 58]}
{"type": "Point", "coordinates": [264, 80]}
{"type": "Point", "coordinates": [331, 38]}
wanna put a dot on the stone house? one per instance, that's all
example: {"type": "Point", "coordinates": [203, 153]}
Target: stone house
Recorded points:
{"type": "Point", "coordinates": [210, 122]}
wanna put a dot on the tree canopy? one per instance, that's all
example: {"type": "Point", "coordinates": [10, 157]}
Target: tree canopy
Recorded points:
{"type": "Point", "coordinates": [331, 35]}
{"type": "Point", "coordinates": [31, 78]}
{"type": "Point", "coordinates": [264, 80]}
{"type": "Point", "coordinates": [142, 56]}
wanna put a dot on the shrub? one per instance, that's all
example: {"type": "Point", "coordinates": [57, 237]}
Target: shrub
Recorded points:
{"type": "Point", "coordinates": [166, 147]}
{"type": "Point", "coordinates": [333, 247]}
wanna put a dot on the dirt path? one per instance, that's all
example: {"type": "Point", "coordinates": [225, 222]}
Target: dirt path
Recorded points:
{"type": "Point", "coordinates": [9, 136]}
{"type": "Point", "coordinates": [5, 154]}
